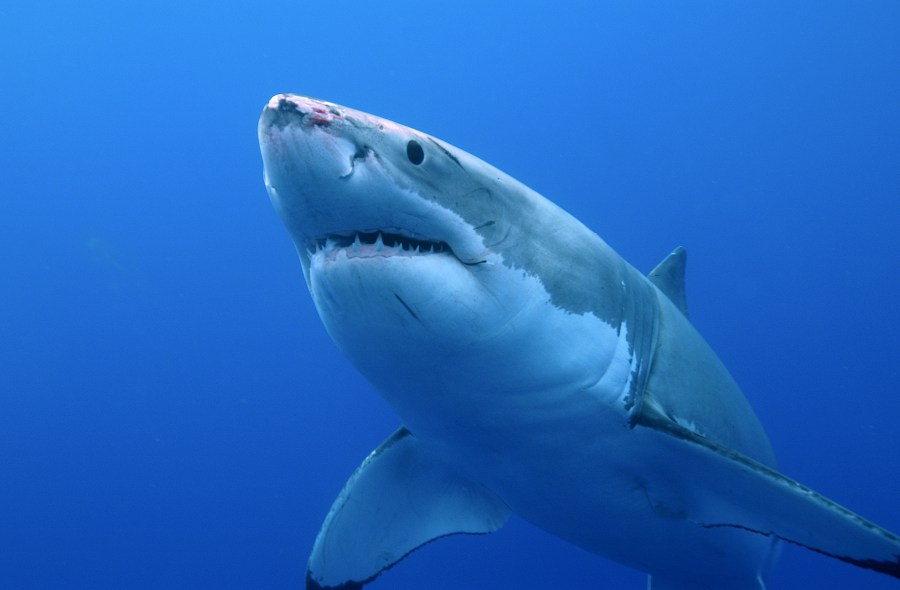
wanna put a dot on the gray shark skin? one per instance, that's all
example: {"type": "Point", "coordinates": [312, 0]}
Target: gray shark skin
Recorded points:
{"type": "Point", "coordinates": [535, 372]}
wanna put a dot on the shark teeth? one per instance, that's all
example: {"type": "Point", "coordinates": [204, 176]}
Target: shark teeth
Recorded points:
{"type": "Point", "coordinates": [379, 241]}
{"type": "Point", "coordinates": [362, 244]}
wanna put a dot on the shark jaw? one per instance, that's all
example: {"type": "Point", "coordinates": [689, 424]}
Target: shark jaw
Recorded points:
{"type": "Point", "coordinates": [385, 244]}
{"type": "Point", "coordinates": [359, 279]}
{"type": "Point", "coordinates": [345, 187]}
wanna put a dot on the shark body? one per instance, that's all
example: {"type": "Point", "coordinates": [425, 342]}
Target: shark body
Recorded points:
{"type": "Point", "coordinates": [534, 370]}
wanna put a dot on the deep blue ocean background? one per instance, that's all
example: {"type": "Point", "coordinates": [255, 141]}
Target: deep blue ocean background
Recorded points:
{"type": "Point", "coordinates": [172, 412]}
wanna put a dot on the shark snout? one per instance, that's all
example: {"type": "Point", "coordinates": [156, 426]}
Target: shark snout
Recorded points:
{"type": "Point", "coordinates": [292, 109]}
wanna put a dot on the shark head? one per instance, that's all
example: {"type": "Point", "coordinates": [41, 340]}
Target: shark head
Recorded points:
{"type": "Point", "coordinates": [430, 268]}
{"type": "Point", "coordinates": [339, 176]}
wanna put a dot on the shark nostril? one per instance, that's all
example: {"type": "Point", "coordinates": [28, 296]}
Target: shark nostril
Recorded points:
{"type": "Point", "coordinates": [362, 153]}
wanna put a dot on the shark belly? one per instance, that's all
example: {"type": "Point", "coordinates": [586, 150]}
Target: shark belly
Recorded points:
{"type": "Point", "coordinates": [565, 454]}
{"type": "Point", "coordinates": [587, 471]}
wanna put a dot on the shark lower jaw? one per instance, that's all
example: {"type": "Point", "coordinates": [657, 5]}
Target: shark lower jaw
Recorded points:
{"type": "Point", "coordinates": [397, 291]}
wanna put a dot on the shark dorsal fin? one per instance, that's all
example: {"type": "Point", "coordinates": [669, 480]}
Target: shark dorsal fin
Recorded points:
{"type": "Point", "coordinates": [668, 276]}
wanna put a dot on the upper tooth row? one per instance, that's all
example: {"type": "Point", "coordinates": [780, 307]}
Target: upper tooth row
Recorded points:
{"type": "Point", "coordinates": [330, 244]}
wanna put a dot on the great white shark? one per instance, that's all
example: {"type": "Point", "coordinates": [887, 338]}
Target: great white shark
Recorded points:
{"type": "Point", "coordinates": [534, 371]}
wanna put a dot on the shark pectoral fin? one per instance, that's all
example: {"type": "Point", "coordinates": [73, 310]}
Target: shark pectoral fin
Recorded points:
{"type": "Point", "coordinates": [668, 276]}
{"type": "Point", "coordinates": [398, 500]}
{"type": "Point", "coordinates": [752, 497]}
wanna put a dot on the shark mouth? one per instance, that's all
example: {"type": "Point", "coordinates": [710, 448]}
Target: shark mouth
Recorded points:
{"type": "Point", "coordinates": [378, 243]}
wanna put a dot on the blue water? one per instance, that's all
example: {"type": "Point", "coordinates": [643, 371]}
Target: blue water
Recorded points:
{"type": "Point", "coordinates": [172, 413]}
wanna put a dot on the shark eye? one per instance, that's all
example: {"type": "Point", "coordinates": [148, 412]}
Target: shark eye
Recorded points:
{"type": "Point", "coordinates": [414, 152]}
